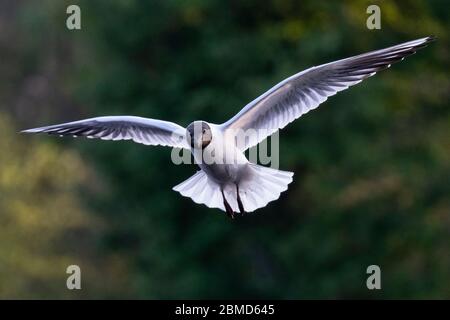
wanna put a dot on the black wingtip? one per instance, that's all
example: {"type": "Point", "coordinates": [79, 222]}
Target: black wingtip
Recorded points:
{"type": "Point", "coordinates": [431, 38]}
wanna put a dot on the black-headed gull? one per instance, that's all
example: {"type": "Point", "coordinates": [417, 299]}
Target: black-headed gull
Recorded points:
{"type": "Point", "coordinates": [239, 185]}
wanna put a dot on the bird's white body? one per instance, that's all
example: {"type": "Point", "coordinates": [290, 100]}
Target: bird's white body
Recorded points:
{"type": "Point", "coordinates": [227, 174]}
{"type": "Point", "coordinates": [226, 179]}
{"type": "Point", "coordinates": [221, 160]}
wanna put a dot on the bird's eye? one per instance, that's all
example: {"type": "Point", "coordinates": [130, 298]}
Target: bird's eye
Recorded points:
{"type": "Point", "coordinates": [204, 130]}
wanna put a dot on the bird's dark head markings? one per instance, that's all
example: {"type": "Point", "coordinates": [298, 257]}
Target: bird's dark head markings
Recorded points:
{"type": "Point", "coordinates": [199, 134]}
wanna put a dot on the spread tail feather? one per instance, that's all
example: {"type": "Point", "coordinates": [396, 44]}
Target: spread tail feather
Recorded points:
{"type": "Point", "coordinates": [263, 186]}
{"type": "Point", "coordinates": [201, 189]}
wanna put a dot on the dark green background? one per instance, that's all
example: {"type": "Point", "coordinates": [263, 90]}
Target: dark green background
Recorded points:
{"type": "Point", "coordinates": [372, 164]}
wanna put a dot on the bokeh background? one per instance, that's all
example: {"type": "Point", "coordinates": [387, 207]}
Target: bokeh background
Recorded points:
{"type": "Point", "coordinates": [372, 164]}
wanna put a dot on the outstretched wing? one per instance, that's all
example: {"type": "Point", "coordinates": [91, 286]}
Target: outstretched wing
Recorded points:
{"type": "Point", "coordinates": [306, 90]}
{"type": "Point", "coordinates": [140, 130]}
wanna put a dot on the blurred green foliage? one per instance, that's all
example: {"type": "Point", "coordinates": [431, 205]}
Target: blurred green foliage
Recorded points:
{"type": "Point", "coordinates": [44, 227]}
{"type": "Point", "coordinates": [372, 164]}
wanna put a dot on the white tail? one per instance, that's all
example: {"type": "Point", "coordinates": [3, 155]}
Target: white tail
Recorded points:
{"type": "Point", "coordinates": [264, 186]}
{"type": "Point", "coordinates": [201, 189]}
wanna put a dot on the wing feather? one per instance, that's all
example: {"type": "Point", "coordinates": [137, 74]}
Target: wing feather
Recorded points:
{"type": "Point", "coordinates": [306, 90]}
{"type": "Point", "coordinates": [141, 130]}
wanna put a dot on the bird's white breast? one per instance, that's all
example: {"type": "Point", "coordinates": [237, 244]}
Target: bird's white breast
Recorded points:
{"type": "Point", "coordinates": [221, 160]}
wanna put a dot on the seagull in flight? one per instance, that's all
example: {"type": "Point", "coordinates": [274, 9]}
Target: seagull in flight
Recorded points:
{"type": "Point", "coordinates": [240, 186]}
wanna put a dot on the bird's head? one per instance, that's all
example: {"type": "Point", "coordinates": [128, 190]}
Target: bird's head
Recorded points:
{"type": "Point", "coordinates": [199, 134]}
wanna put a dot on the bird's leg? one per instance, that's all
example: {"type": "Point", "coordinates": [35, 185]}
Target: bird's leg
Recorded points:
{"type": "Point", "coordinates": [240, 205]}
{"type": "Point", "coordinates": [229, 210]}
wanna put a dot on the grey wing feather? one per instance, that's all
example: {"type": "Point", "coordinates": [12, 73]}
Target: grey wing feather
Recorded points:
{"type": "Point", "coordinates": [306, 90]}
{"type": "Point", "coordinates": [140, 130]}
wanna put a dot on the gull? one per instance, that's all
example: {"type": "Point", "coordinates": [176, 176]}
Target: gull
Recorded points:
{"type": "Point", "coordinates": [239, 186]}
